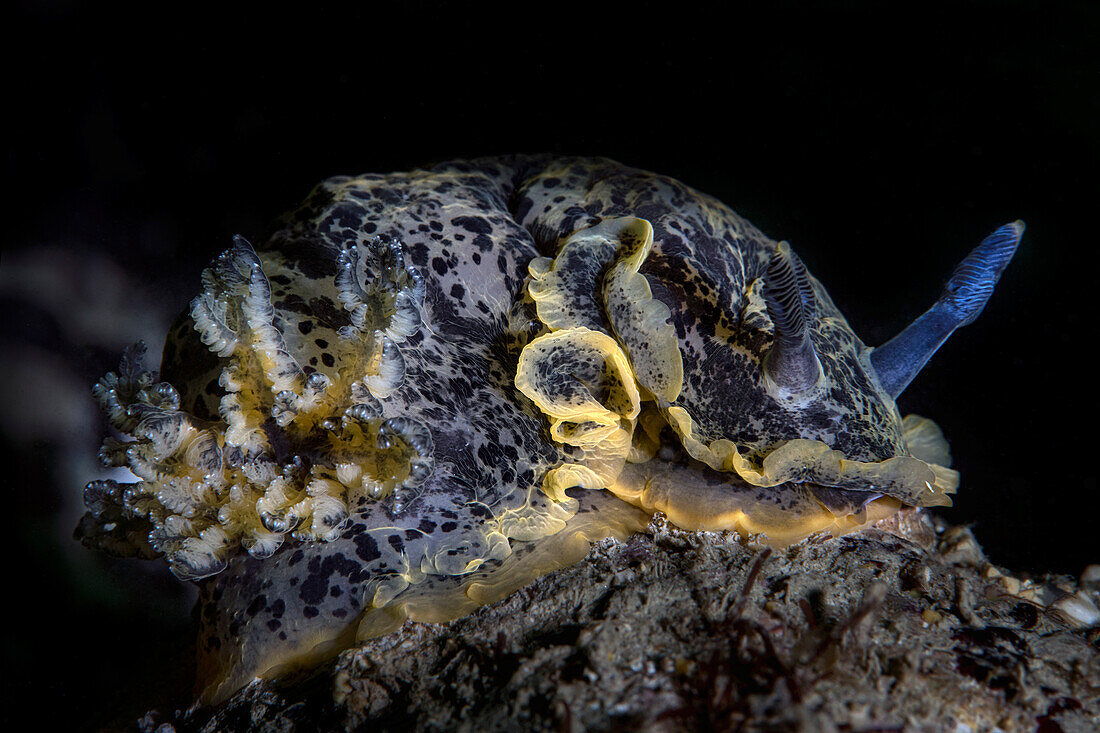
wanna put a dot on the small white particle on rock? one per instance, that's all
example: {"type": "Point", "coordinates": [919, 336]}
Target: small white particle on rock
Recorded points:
{"type": "Point", "coordinates": [1090, 578]}
{"type": "Point", "coordinates": [1078, 610]}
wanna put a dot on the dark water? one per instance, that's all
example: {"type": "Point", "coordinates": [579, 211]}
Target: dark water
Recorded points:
{"type": "Point", "coordinates": [882, 148]}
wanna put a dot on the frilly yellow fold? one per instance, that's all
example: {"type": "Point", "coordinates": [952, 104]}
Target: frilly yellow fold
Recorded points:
{"type": "Point", "coordinates": [610, 350]}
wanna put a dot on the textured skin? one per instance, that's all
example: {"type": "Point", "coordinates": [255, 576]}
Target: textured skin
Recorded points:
{"type": "Point", "coordinates": [490, 446]}
{"type": "Point", "coordinates": [703, 258]}
{"type": "Point", "coordinates": [469, 231]}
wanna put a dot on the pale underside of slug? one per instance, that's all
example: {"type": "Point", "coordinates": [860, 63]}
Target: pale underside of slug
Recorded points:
{"type": "Point", "coordinates": [428, 388]}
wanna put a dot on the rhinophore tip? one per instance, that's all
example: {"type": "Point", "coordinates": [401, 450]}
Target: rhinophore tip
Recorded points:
{"type": "Point", "coordinates": [967, 291]}
{"type": "Point", "coordinates": [973, 280]}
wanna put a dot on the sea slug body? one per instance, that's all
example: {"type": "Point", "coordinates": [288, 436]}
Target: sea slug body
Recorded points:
{"type": "Point", "coordinates": [428, 388]}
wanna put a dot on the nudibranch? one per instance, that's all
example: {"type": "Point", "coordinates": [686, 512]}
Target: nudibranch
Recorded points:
{"type": "Point", "coordinates": [427, 389]}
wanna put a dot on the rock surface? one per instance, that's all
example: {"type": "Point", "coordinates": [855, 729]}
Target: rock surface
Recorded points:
{"type": "Point", "coordinates": [905, 626]}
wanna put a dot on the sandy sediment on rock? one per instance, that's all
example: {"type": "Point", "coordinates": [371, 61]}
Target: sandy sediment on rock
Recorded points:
{"type": "Point", "coordinates": [905, 626]}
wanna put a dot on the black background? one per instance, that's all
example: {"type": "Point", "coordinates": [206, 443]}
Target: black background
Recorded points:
{"type": "Point", "coordinates": [883, 147]}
